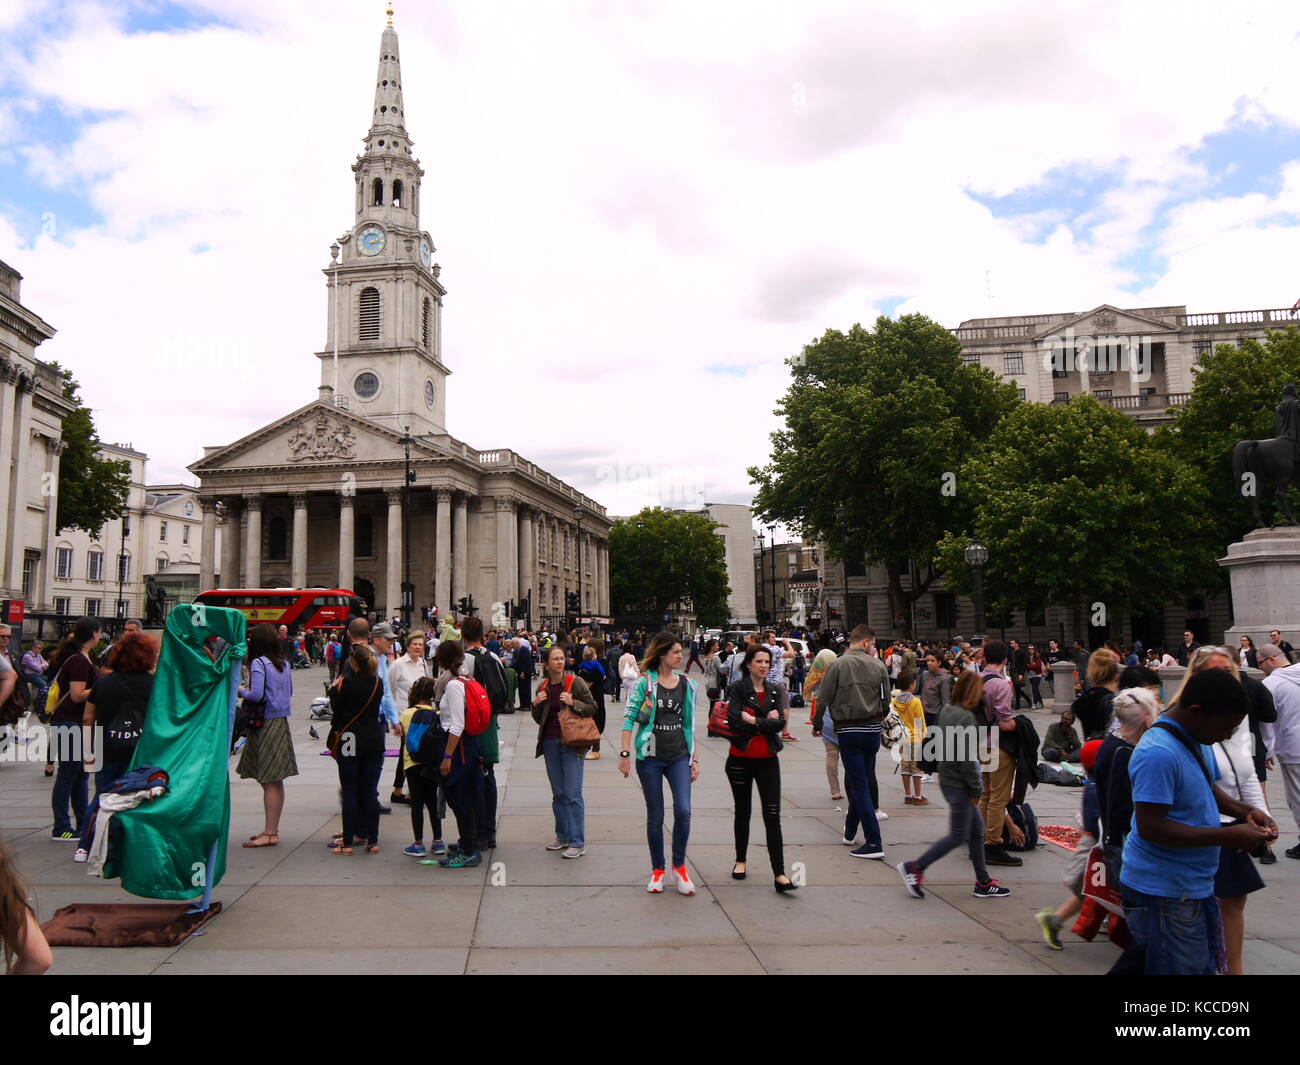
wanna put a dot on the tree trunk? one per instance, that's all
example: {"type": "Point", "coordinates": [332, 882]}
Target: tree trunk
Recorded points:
{"type": "Point", "coordinates": [897, 599]}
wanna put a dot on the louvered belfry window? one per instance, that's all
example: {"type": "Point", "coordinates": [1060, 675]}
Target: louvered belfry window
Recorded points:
{"type": "Point", "coordinates": [426, 326]}
{"type": "Point", "coordinates": [369, 314]}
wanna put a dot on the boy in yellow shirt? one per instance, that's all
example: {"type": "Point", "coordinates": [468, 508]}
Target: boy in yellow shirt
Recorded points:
{"type": "Point", "coordinates": [910, 711]}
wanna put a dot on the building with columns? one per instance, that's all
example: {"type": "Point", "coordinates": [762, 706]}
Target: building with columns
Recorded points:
{"type": "Point", "coordinates": [317, 498]}
{"type": "Point", "coordinates": [32, 409]}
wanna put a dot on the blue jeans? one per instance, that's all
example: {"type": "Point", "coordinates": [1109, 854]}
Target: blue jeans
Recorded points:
{"type": "Point", "coordinates": [858, 753]}
{"type": "Point", "coordinates": [1181, 937]}
{"type": "Point", "coordinates": [964, 826]}
{"type": "Point", "coordinates": [359, 780]}
{"type": "Point", "coordinates": [652, 772]}
{"type": "Point", "coordinates": [70, 780]}
{"type": "Point", "coordinates": [564, 770]}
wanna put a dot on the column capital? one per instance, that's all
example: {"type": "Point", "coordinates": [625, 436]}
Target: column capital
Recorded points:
{"type": "Point", "coordinates": [253, 503]}
{"type": "Point", "coordinates": [345, 499]}
{"type": "Point", "coordinates": [206, 503]}
{"type": "Point", "coordinates": [506, 502]}
{"type": "Point", "coordinates": [299, 499]}
{"type": "Point", "coordinates": [393, 495]}
{"type": "Point", "coordinates": [443, 495]}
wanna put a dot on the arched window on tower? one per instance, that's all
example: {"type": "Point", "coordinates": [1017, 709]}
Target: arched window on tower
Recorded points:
{"type": "Point", "coordinates": [379, 192]}
{"type": "Point", "coordinates": [426, 323]}
{"type": "Point", "coordinates": [369, 317]}
{"type": "Point", "coordinates": [397, 194]}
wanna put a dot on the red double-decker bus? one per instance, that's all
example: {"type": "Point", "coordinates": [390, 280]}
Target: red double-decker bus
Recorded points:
{"type": "Point", "coordinates": [299, 608]}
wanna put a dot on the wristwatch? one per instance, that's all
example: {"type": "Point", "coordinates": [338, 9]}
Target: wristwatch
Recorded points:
{"type": "Point", "coordinates": [625, 754]}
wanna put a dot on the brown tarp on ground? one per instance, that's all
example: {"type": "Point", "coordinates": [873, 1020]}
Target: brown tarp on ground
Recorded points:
{"type": "Point", "coordinates": [124, 924]}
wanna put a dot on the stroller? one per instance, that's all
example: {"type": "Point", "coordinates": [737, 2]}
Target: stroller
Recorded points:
{"type": "Point", "coordinates": [320, 709]}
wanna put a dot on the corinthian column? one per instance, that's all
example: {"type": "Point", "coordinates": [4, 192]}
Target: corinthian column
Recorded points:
{"type": "Point", "coordinates": [442, 550]}
{"type": "Point", "coordinates": [507, 556]}
{"type": "Point", "coordinates": [394, 604]}
{"type": "Point", "coordinates": [298, 567]}
{"type": "Point", "coordinates": [253, 552]}
{"type": "Point", "coordinates": [208, 550]}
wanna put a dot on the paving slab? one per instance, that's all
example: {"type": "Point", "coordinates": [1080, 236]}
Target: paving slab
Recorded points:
{"type": "Point", "coordinates": [616, 961]}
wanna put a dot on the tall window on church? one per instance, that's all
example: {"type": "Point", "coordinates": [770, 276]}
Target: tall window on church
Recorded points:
{"type": "Point", "coordinates": [397, 194]}
{"type": "Point", "coordinates": [369, 314]}
{"type": "Point", "coordinates": [365, 535]}
{"type": "Point", "coordinates": [426, 323]}
{"type": "Point", "coordinates": [277, 540]}
{"type": "Point", "coordinates": [379, 192]}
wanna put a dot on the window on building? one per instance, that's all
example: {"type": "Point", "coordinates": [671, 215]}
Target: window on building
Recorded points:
{"type": "Point", "coordinates": [1060, 397]}
{"type": "Point", "coordinates": [124, 567]}
{"type": "Point", "coordinates": [945, 610]}
{"type": "Point", "coordinates": [970, 358]}
{"type": "Point", "coordinates": [397, 194]}
{"type": "Point", "coordinates": [369, 314]}
{"type": "Point", "coordinates": [1020, 392]}
{"type": "Point", "coordinates": [1241, 341]}
{"type": "Point", "coordinates": [120, 610]}
{"type": "Point", "coordinates": [377, 193]}
{"type": "Point", "coordinates": [63, 563]}
{"type": "Point", "coordinates": [1013, 362]}
{"type": "Point", "coordinates": [1146, 391]}
{"type": "Point", "coordinates": [185, 534]}
{"type": "Point", "coordinates": [160, 563]}
{"type": "Point", "coordinates": [95, 566]}
{"type": "Point", "coordinates": [855, 567]}
{"type": "Point", "coordinates": [277, 540]}
{"type": "Point", "coordinates": [365, 536]}
{"type": "Point", "coordinates": [92, 607]}
{"type": "Point", "coordinates": [1060, 375]}
{"type": "Point", "coordinates": [62, 605]}
{"type": "Point", "coordinates": [426, 323]}
{"type": "Point", "coordinates": [29, 576]}
{"type": "Point", "coordinates": [1103, 393]}
{"type": "Point", "coordinates": [162, 532]}
{"type": "Point", "coordinates": [1202, 347]}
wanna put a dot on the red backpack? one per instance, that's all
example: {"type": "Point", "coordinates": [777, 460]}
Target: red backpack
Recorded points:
{"type": "Point", "coordinates": [478, 708]}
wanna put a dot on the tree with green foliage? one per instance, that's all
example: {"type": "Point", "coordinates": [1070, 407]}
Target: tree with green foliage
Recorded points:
{"type": "Point", "coordinates": [1233, 397]}
{"type": "Point", "coordinates": [877, 422]}
{"type": "Point", "coordinates": [92, 488]}
{"type": "Point", "coordinates": [1077, 505]}
{"type": "Point", "coordinates": [677, 558]}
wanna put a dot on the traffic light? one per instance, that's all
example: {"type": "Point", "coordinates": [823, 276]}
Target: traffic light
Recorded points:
{"type": "Point", "coordinates": [571, 602]}
{"type": "Point", "coordinates": [462, 605]}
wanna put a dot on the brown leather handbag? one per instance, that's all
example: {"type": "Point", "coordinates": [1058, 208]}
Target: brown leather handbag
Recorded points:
{"type": "Point", "coordinates": [576, 730]}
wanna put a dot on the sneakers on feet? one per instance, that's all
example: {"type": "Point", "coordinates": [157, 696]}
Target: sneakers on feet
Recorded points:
{"type": "Point", "coordinates": [991, 890]}
{"type": "Point", "coordinates": [1292, 852]}
{"type": "Point", "coordinates": [684, 885]}
{"type": "Point", "coordinates": [1051, 928]}
{"type": "Point", "coordinates": [415, 850]}
{"type": "Point", "coordinates": [847, 841]}
{"type": "Point", "coordinates": [1000, 856]}
{"type": "Point", "coordinates": [881, 815]}
{"type": "Point", "coordinates": [437, 847]}
{"type": "Point", "coordinates": [574, 852]}
{"type": "Point", "coordinates": [556, 845]}
{"type": "Point", "coordinates": [461, 861]}
{"type": "Point", "coordinates": [81, 855]}
{"type": "Point", "coordinates": [912, 877]}
{"type": "Point", "coordinates": [868, 850]}
{"type": "Point", "coordinates": [66, 837]}
{"type": "Point", "coordinates": [656, 883]}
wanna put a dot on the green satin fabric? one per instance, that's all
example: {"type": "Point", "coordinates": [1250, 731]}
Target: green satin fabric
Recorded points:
{"type": "Point", "coordinates": [167, 844]}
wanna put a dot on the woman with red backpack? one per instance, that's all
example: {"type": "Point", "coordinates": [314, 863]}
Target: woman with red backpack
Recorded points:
{"type": "Point", "coordinates": [557, 692]}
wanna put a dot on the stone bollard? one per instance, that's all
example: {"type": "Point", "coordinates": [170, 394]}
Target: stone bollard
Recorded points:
{"type": "Point", "coordinates": [1062, 686]}
{"type": "Point", "coordinates": [1171, 679]}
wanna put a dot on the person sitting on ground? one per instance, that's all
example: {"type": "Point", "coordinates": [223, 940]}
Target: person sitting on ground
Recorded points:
{"type": "Point", "coordinates": [1062, 742]}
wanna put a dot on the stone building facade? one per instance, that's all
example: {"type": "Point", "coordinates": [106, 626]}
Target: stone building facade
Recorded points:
{"type": "Point", "coordinates": [317, 498]}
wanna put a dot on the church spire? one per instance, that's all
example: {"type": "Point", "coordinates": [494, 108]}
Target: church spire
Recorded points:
{"type": "Point", "coordinates": [388, 123]}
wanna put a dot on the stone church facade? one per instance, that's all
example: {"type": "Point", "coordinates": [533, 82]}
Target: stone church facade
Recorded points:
{"type": "Point", "coordinates": [316, 498]}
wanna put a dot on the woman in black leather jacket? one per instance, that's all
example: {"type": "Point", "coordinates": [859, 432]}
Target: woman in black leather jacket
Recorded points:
{"type": "Point", "coordinates": [756, 715]}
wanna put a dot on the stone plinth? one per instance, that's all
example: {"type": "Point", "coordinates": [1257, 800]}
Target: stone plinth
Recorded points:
{"type": "Point", "coordinates": [1264, 571]}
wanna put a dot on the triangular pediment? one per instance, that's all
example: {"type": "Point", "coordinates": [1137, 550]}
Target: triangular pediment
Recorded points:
{"type": "Point", "coordinates": [1107, 320]}
{"type": "Point", "coordinates": [318, 434]}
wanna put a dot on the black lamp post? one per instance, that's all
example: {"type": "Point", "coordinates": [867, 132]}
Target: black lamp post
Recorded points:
{"type": "Point", "coordinates": [122, 610]}
{"type": "Point", "coordinates": [640, 556]}
{"type": "Point", "coordinates": [771, 532]}
{"type": "Point", "coordinates": [760, 540]}
{"type": "Point", "coordinates": [577, 515]}
{"type": "Point", "coordinates": [977, 555]}
{"type": "Point", "coordinates": [408, 590]}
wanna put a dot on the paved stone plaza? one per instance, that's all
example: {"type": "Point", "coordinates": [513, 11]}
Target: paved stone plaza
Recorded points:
{"type": "Point", "coordinates": [295, 908]}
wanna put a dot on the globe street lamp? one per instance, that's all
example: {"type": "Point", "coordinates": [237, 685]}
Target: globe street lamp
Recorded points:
{"type": "Point", "coordinates": [977, 555]}
{"type": "Point", "coordinates": [771, 532]}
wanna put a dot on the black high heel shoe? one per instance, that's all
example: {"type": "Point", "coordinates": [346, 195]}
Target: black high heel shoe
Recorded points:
{"type": "Point", "coordinates": [789, 885]}
{"type": "Point", "coordinates": [735, 875]}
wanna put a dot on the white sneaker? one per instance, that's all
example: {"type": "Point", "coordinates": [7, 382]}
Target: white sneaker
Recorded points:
{"type": "Point", "coordinates": [574, 852]}
{"type": "Point", "coordinates": [656, 883]}
{"type": "Point", "coordinates": [556, 845]}
{"type": "Point", "coordinates": [881, 815]}
{"type": "Point", "coordinates": [684, 885]}
{"type": "Point", "coordinates": [847, 842]}
{"type": "Point", "coordinates": [81, 855]}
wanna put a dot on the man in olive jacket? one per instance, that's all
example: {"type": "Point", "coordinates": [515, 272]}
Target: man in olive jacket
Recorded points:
{"type": "Point", "coordinates": [855, 690]}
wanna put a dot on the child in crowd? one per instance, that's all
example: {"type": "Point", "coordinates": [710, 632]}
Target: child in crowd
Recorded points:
{"type": "Point", "coordinates": [424, 790]}
{"type": "Point", "coordinates": [1051, 921]}
{"type": "Point", "coordinates": [912, 714]}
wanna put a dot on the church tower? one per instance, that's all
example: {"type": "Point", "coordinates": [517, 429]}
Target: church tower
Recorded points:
{"type": "Point", "coordinates": [385, 306]}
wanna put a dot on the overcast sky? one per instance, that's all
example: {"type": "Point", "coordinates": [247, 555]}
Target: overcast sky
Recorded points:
{"type": "Point", "coordinates": [641, 208]}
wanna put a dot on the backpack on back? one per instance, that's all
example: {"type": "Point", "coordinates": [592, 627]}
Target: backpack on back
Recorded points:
{"type": "Point", "coordinates": [424, 737]}
{"type": "Point", "coordinates": [478, 707]}
{"type": "Point", "coordinates": [491, 676]}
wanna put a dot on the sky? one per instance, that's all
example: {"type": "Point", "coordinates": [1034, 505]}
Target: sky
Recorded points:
{"type": "Point", "coordinates": [642, 209]}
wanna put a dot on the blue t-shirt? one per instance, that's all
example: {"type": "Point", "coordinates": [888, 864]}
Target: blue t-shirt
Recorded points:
{"type": "Point", "coordinates": [1163, 773]}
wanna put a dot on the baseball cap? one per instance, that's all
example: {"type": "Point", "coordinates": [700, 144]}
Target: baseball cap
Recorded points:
{"type": "Point", "coordinates": [385, 630]}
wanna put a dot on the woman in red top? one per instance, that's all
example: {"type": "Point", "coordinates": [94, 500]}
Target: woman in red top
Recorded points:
{"type": "Point", "coordinates": [756, 717]}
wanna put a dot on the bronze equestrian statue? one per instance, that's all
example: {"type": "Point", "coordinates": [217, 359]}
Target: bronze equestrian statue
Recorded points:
{"type": "Point", "coordinates": [1276, 461]}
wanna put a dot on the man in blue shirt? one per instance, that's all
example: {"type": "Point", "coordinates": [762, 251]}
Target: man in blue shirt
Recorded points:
{"type": "Point", "coordinates": [1172, 853]}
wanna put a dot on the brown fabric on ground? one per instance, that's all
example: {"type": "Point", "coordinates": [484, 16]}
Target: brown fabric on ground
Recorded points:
{"type": "Point", "coordinates": [124, 924]}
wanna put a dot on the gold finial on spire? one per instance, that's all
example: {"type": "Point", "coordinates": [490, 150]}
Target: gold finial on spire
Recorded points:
{"type": "Point", "coordinates": [390, 14]}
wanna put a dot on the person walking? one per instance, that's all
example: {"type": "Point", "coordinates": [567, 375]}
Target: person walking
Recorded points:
{"type": "Point", "coordinates": [559, 691]}
{"type": "Point", "coordinates": [1092, 708]}
{"type": "Point", "coordinates": [524, 663]}
{"type": "Point", "coordinates": [357, 739]}
{"type": "Point", "coordinates": [959, 782]}
{"type": "Point", "coordinates": [855, 690]}
{"type": "Point", "coordinates": [1247, 655]}
{"type": "Point", "coordinates": [489, 670]}
{"type": "Point", "coordinates": [998, 714]}
{"type": "Point", "coordinates": [1035, 668]}
{"type": "Point", "coordinates": [592, 670]}
{"type": "Point", "coordinates": [820, 720]}
{"type": "Point", "coordinates": [628, 671]}
{"type": "Point", "coordinates": [756, 720]}
{"type": "Point", "coordinates": [76, 675]}
{"type": "Point", "coordinates": [1282, 737]}
{"type": "Point", "coordinates": [659, 728]}
{"type": "Point", "coordinates": [268, 756]}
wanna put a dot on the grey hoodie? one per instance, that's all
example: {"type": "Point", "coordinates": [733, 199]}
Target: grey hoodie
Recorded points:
{"type": "Point", "coordinates": [1282, 740]}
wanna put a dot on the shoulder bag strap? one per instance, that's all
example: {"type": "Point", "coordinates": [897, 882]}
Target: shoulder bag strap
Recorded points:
{"type": "Point", "coordinates": [1196, 757]}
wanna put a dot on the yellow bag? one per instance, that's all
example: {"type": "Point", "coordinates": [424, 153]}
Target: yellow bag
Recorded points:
{"type": "Point", "coordinates": [52, 698]}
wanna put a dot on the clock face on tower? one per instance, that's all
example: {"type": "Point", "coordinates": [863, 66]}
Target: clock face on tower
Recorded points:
{"type": "Point", "coordinates": [428, 393]}
{"type": "Point", "coordinates": [426, 251]}
{"type": "Point", "coordinates": [371, 240]}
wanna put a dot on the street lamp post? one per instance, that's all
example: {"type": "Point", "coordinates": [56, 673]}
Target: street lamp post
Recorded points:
{"type": "Point", "coordinates": [760, 541]}
{"type": "Point", "coordinates": [977, 555]}
{"type": "Point", "coordinates": [640, 555]}
{"type": "Point", "coordinates": [771, 532]}
{"type": "Point", "coordinates": [121, 568]}
{"type": "Point", "coordinates": [408, 592]}
{"type": "Point", "coordinates": [577, 516]}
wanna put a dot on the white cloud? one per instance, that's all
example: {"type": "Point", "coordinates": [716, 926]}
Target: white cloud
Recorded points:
{"type": "Point", "coordinates": [621, 196]}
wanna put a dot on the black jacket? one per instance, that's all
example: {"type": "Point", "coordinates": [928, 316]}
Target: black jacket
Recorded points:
{"type": "Point", "coordinates": [741, 696]}
{"type": "Point", "coordinates": [1092, 710]}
